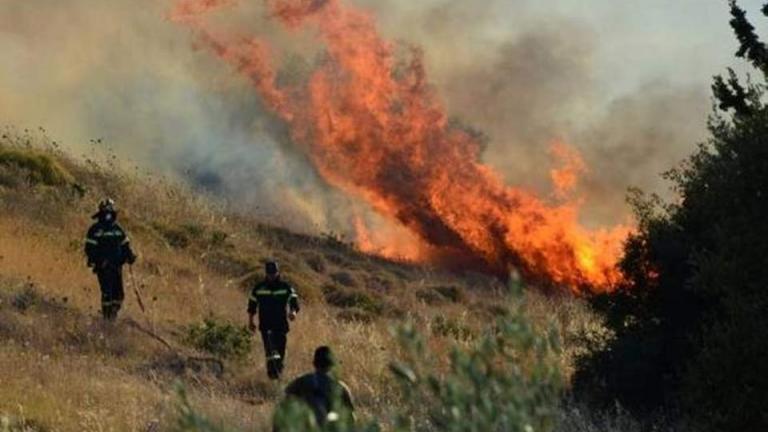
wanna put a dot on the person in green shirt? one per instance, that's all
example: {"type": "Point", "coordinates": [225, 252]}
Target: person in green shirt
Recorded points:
{"type": "Point", "coordinates": [329, 398]}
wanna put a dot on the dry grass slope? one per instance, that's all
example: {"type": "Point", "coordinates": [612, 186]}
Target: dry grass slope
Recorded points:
{"type": "Point", "coordinates": [62, 369]}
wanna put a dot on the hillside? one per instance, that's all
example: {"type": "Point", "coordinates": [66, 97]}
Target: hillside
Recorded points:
{"type": "Point", "coordinates": [62, 368]}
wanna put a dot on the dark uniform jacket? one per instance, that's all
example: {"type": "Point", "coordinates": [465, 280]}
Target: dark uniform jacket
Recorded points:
{"type": "Point", "coordinates": [271, 300]}
{"type": "Point", "coordinates": [107, 245]}
{"type": "Point", "coordinates": [323, 393]}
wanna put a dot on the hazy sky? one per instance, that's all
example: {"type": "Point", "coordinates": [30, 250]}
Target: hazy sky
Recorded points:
{"type": "Point", "coordinates": [676, 40]}
{"type": "Point", "coordinates": [682, 41]}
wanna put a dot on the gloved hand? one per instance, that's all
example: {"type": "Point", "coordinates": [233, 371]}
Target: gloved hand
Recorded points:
{"type": "Point", "coordinates": [292, 315]}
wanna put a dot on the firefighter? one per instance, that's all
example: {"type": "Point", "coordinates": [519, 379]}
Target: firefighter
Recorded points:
{"type": "Point", "coordinates": [276, 303]}
{"type": "Point", "coordinates": [329, 398]}
{"type": "Point", "coordinates": [107, 248]}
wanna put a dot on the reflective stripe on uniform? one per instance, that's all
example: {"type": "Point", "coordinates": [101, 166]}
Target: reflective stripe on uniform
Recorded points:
{"type": "Point", "coordinates": [91, 241]}
{"type": "Point", "coordinates": [125, 240]}
{"type": "Point", "coordinates": [253, 298]}
{"type": "Point", "coordinates": [270, 292]}
{"type": "Point", "coordinates": [273, 357]}
{"type": "Point", "coordinates": [115, 233]}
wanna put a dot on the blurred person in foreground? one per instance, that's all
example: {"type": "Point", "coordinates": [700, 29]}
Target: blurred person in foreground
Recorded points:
{"type": "Point", "coordinates": [317, 400]}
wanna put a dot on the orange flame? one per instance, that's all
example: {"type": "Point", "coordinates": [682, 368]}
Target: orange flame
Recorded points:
{"type": "Point", "coordinates": [387, 243]}
{"type": "Point", "coordinates": [565, 177]}
{"type": "Point", "coordinates": [374, 127]}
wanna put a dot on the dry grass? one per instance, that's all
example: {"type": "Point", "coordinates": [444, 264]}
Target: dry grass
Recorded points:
{"type": "Point", "coordinates": [61, 369]}
{"type": "Point", "coordinates": [75, 392]}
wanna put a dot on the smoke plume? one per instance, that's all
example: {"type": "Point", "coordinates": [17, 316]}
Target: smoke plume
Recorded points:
{"type": "Point", "coordinates": [126, 74]}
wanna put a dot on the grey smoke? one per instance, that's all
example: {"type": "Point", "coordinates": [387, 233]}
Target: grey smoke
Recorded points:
{"type": "Point", "coordinates": [120, 71]}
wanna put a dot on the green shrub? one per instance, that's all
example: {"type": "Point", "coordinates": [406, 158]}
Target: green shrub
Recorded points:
{"type": "Point", "coordinates": [381, 282]}
{"type": "Point", "coordinates": [188, 234]}
{"type": "Point", "coordinates": [507, 380]}
{"type": "Point", "coordinates": [430, 297]}
{"type": "Point", "coordinates": [689, 324]}
{"type": "Point", "coordinates": [441, 294]}
{"type": "Point", "coordinates": [348, 298]}
{"type": "Point", "coordinates": [453, 293]}
{"type": "Point", "coordinates": [220, 339]}
{"type": "Point", "coordinates": [12, 424]}
{"type": "Point", "coordinates": [218, 238]}
{"type": "Point", "coordinates": [193, 231]}
{"type": "Point", "coordinates": [175, 237]}
{"type": "Point", "coordinates": [451, 327]}
{"type": "Point", "coordinates": [38, 167]}
{"type": "Point", "coordinates": [354, 315]}
{"type": "Point", "coordinates": [26, 298]}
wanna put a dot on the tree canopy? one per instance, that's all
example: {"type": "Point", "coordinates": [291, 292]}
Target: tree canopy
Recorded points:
{"type": "Point", "coordinates": [691, 320]}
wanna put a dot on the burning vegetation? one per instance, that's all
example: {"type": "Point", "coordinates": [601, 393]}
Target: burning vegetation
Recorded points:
{"type": "Point", "coordinates": [373, 126]}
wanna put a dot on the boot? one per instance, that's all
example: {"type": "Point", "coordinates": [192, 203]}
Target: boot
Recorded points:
{"type": "Point", "coordinates": [274, 366]}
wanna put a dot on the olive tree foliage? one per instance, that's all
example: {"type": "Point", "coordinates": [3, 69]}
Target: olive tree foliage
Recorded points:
{"type": "Point", "coordinates": [507, 379]}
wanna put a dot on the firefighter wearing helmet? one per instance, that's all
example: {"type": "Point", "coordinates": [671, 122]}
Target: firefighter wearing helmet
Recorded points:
{"type": "Point", "coordinates": [276, 302]}
{"type": "Point", "coordinates": [107, 248]}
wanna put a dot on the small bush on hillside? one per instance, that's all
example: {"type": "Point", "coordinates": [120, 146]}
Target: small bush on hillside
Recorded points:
{"type": "Point", "coordinates": [347, 298]}
{"type": "Point", "coordinates": [452, 328]}
{"type": "Point", "coordinates": [219, 239]}
{"type": "Point", "coordinates": [430, 297]}
{"type": "Point", "coordinates": [193, 231]}
{"type": "Point", "coordinates": [453, 293]}
{"type": "Point", "coordinates": [220, 339]}
{"type": "Point", "coordinates": [354, 315]}
{"type": "Point", "coordinates": [338, 258]}
{"type": "Point", "coordinates": [13, 424]}
{"type": "Point", "coordinates": [176, 238]}
{"type": "Point", "coordinates": [344, 278]}
{"type": "Point", "coordinates": [191, 234]}
{"type": "Point", "coordinates": [11, 177]}
{"type": "Point", "coordinates": [441, 294]}
{"type": "Point", "coordinates": [26, 298]}
{"type": "Point", "coordinates": [381, 282]}
{"type": "Point", "coordinates": [38, 168]}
